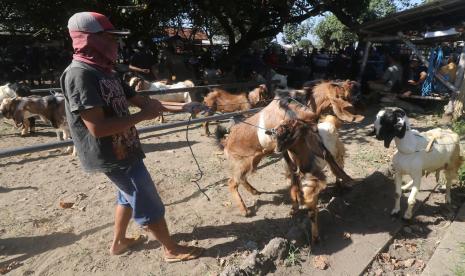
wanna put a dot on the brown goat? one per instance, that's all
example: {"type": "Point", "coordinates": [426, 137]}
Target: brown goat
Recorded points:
{"type": "Point", "coordinates": [304, 151]}
{"type": "Point", "coordinates": [50, 109]}
{"type": "Point", "coordinates": [247, 143]}
{"type": "Point", "coordinates": [223, 101]}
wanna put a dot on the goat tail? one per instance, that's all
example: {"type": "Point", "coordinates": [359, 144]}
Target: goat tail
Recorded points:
{"type": "Point", "coordinates": [220, 135]}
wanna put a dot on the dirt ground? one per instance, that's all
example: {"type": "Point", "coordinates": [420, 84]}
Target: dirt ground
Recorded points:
{"type": "Point", "coordinates": [38, 237]}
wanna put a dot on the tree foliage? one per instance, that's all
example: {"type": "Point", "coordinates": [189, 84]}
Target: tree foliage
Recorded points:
{"type": "Point", "coordinates": [332, 32]}
{"type": "Point", "coordinates": [241, 21]}
{"type": "Point", "coordinates": [293, 33]}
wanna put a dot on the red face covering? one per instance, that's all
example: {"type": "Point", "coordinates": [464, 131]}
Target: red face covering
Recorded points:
{"type": "Point", "coordinates": [95, 49]}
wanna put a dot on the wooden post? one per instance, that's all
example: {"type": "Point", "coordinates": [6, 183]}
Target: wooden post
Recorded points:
{"type": "Point", "coordinates": [460, 68]}
{"type": "Point", "coordinates": [458, 103]}
{"type": "Point", "coordinates": [364, 61]}
{"type": "Point", "coordinates": [455, 105]}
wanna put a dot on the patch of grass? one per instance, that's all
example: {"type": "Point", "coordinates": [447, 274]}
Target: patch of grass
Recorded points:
{"type": "Point", "coordinates": [462, 174]}
{"type": "Point", "coordinates": [459, 127]}
{"type": "Point", "coordinates": [293, 257]}
{"type": "Point", "coordinates": [459, 269]}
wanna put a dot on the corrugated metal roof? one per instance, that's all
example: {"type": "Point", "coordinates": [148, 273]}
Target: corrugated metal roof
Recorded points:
{"type": "Point", "coordinates": [437, 15]}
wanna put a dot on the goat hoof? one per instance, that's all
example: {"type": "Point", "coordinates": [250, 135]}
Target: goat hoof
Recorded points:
{"type": "Point", "coordinates": [247, 213]}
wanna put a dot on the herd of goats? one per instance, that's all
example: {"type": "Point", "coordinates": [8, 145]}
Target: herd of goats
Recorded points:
{"type": "Point", "coordinates": [293, 123]}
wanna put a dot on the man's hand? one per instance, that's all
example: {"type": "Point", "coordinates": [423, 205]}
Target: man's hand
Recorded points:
{"type": "Point", "coordinates": [195, 107]}
{"type": "Point", "coordinates": [151, 109]}
{"type": "Point", "coordinates": [412, 82]}
{"type": "Point", "coordinates": [145, 71]}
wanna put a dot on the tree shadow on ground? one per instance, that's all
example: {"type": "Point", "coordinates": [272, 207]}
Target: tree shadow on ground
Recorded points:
{"type": "Point", "coordinates": [363, 210]}
{"type": "Point", "coordinates": [7, 190]}
{"type": "Point", "coordinates": [27, 247]}
{"type": "Point", "coordinates": [52, 154]}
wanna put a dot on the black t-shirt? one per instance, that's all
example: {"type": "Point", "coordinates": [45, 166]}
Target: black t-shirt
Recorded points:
{"type": "Point", "coordinates": [142, 59]}
{"type": "Point", "coordinates": [414, 73]}
{"type": "Point", "coordinates": [86, 87]}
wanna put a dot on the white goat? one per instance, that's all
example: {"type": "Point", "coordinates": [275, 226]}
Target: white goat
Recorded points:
{"type": "Point", "coordinates": [6, 92]}
{"type": "Point", "coordinates": [179, 97]}
{"type": "Point", "coordinates": [281, 80]}
{"type": "Point", "coordinates": [417, 153]}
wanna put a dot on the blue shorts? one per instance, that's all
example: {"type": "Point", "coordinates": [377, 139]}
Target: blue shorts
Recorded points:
{"type": "Point", "coordinates": [136, 190]}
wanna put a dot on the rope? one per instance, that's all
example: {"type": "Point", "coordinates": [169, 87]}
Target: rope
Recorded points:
{"type": "Point", "coordinates": [199, 169]}
{"type": "Point", "coordinates": [200, 174]}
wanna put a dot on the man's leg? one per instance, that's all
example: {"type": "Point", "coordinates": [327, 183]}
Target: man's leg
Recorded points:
{"type": "Point", "coordinates": [172, 250]}
{"type": "Point", "coordinates": [120, 242]}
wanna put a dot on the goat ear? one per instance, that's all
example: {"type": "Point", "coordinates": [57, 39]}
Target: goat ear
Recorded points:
{"type": "Point", "coordinates": [344, 110]}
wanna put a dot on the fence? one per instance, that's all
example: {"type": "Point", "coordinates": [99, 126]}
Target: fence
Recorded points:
{"type": "Point", "coordinates": [173, 90]}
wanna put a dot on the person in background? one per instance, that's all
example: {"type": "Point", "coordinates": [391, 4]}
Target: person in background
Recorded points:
{"type": "Point", "coordinates": [449, 71]}
{"type": "Point", "coordinates": [416, 75]}
{"type": "Point", "coordinates": [104, 133]}
{"type": "Point", "coordinates": [392, 77]}
{"type": "Point", "coordinates": [142, 62]}
{"type": "Point", "coordinates": [177, 65]}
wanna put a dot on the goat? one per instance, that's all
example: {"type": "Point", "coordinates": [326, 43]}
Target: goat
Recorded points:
{"type": "Point", "coordinates": [306, 153]}
{"type": "Point", "coordinates": [6, 92]}
{"type": "Point", "coordinates": [223, 101]}
{"type": "Point", "coordinates": [248, 142]}
{"type": "Point", "coordinates": [417, 153]}
{"type": "Point", "coordinates": [11, 90]}
{"type": "Point", "coordinates": [179, 97]}
{"type": "Point", "coordinates": [279, 81]}
{"type": "Point", "coordinates": [50, 109]}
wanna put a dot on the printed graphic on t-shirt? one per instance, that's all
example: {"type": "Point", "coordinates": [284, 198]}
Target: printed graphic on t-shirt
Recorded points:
{"type": "Point", "coordinates": [113, 95]}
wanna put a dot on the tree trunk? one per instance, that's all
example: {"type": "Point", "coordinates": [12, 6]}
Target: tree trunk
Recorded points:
{"type": "Point", "coordinates": [459, 102]}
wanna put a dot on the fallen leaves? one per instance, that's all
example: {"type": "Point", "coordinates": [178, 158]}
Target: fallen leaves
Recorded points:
{"type": "Point", "coordinates": [74, 202]}
{"type": "Point", "coordinates": [9, 267]}
{"type": "Point", "coordinates": [411, 247]}
{"type": "Point", "coordinates": [321, 262]}
{"type": "Point", "coordinates": [408, 263]}
{"type": "Point", "coordinates": [66, 205]}
{"type": "Point", "coordinates": [385, 257]}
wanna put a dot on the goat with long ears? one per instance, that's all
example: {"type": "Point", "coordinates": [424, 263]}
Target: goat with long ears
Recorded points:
{"type": "Point", "coordinates": [417, 153]}
{"type": "Point", "coordinates": [248, 142]}
{"type": "Point", "coordinates": [306, 156]}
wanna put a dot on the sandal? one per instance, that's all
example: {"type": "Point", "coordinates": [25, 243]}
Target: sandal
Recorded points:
{"type": "Point", "coordinates": [135, 242]}
{"type": "Point", "coordinates": [193, 254]}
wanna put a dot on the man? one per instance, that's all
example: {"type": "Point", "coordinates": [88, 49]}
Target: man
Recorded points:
{"type": "Point", "coordinates": [176, 65]}
{"type": "Point", "coordinates": [142, 62]}
{"type": "Point", "coordinates": [416, 75]}
{"type": "Point", "coordinates": [449, 71]}
{"type": "Point", "coordinates": [392, 77]}
{"type": "Point", "coordinates": [104, 134]}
